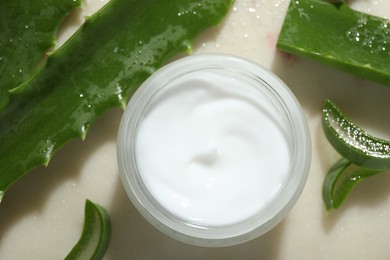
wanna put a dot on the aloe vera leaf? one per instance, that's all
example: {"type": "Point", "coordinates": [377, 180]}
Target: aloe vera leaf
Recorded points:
{"type": "Point", "coordinates": [28, 30]}
{"type": "Point", "coordinates": [363, 155]}
{"type": "Point", "coordinates": [352, 142]}
{"type": "Point", "coordinates": [100, 67]}
{"type": "Point", "coordinates": [96, 234]}
{"type": "Point", "coordinates": [338, 36]}
{"type": "Point", "coordinates": [340, 180]}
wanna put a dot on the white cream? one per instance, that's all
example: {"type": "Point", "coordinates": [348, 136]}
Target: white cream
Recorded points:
{"type": "Point", "coordinates": [213, 149]}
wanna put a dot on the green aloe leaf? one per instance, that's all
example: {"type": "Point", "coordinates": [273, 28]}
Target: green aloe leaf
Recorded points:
{"type": "Point", "coordinates": [352, 142]}
{"type": "Point", "coordinates": [28, 30]}
{"type": "Point", "coordinates": [100, 67]}
{"type": "Point", "coordinates": [363, 155]}
{"type": "Point", "coordinates": [96, 234]}
{"type": "Point", "coordinates": [340, 180]}
{"type": "Point", "coordinates": [336, 35]}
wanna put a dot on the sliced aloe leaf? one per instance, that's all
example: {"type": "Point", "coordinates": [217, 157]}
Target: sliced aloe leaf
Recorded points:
{"type": "Point", "coordinates": [100, 67]}
{"type": "Point", "coordinates": [340, 180]}
{"type": "Point", "coordinates": [363, 155]}
{"type": "Point", "coordinates": [96, 234]}
{"type": "Point", "coordinates": [352, 142]}
{"type": "Point", "coordinates": [336, 35]}
{"type": "Point", "coordinates": [28, 30]}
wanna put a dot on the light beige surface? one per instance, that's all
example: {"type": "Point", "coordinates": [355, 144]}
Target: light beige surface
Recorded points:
{"type": "Point", "coordinates": [41, 216]}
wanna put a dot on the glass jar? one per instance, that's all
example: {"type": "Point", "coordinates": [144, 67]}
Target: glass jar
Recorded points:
{"type": "Point", "coordinates": [287, 112]}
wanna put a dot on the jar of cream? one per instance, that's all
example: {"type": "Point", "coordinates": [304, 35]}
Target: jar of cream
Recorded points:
{"type": "Point", "coordinates": [213, 150]}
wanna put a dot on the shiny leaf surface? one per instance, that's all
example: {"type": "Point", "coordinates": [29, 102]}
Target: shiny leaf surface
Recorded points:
{"type": "Point", "coordinates": [363, 155]}
{"type": "Point", "coordinates": [28, 30]}
{"type": "Point", "coordinates": [352, 142]}
{"type": "Point", "coordinates": [100, 67]}
{"type": "Point", "coordinates": [336, 35]}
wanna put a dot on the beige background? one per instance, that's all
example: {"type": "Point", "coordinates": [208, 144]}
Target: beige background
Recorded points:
{"type": "Point", "coordinates": [41, 216]}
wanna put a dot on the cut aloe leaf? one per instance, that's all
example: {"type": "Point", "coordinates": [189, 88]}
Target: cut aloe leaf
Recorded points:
{"type": "Point", "coordinates": [96, 234]}
{"type": "Point", "coordinates": [364, 155]}
{"type": "Point", "coordinates": [340, 180]}
{"type": "Point", "coordinates": [99, 68]}
{"type": "Point", "coordinates": [352, 142]}
{"type": "Point", "coordinates": [336, 35]}
{"type": "Point", "coordinates": [28, 30]}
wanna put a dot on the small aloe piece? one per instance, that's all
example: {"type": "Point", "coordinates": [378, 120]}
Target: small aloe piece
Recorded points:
{"type": "Point", "coordinates": [352, 142]}
{"type": "Point", "coordinates": [336, 35]}
{"type": "Point", "coordinates": [340, 180]}
{"type": "Point", "coordinates": [28, 30]}
{"type": "Point", "coordinates": [96, 234]}
{"type": "Point", "coordinates": [99, 68]}
{"type": "Point", "coordinates": [363, 155]}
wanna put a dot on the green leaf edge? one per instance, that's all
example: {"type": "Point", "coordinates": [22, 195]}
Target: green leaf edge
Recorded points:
{"type": "Point", "coordinates": [94, 216]}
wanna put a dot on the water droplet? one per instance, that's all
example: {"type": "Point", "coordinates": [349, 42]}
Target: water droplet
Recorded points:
{"type": "Point", "coordinates": [252, 10]}
{"type": "Point", "coordinates": [81, 95]}
{"type": "Point", "coordinates": [26, 26]}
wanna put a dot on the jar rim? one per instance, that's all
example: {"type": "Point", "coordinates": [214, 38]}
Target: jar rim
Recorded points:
{"type": "Point", "coordinates": [187, 231]}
